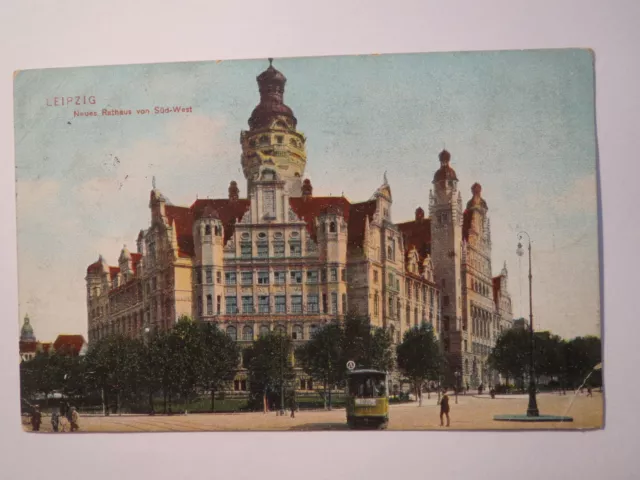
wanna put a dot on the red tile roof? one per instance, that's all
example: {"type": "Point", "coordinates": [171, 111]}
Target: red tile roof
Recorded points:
{"type": "Point", "coordinates": [113, 271]}
{"type": "Point", "coordinates": [229, 211]}
{"type": "Point", "coordinates": [68, 344]}
{"type": "Point", "coordinates": [182, 218]}
{"type": "Point", "coordinates": [309, 208]}
{"type": "Point", "coordinates": [46, 346]}
{"type": "Point", "coordinates": [135, 260]}
{"type": "Point", "coordinates": [496, 288]}
{"type": "Point", "coordinates": [417, 233]}
{"type": "Point", "coordinates": [95, 267]}
{"type": "Point", "coordinates": [357, 214]}
{"type": "Point", "coordinates": [28, 347]}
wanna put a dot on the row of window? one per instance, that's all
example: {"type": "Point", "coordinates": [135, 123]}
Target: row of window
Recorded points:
{"type": "Point", "coordinates": [392, 312]}
{"type": "Point", "coordinates": [262, 249]}
{"type": "Point", "coordinates": [263, 277]}
{"type": "Point", "coordinates": [264, 305]}
{"type": "Point", "coordinates": [297, 331]}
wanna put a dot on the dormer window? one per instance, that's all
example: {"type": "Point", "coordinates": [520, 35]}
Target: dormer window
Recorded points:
{"type": "Point", "coordinates": [207, 230]}
{"type": "Point", "coordinates": [332, 227]}
{"type": "Point", "coordinates": [279, 139]}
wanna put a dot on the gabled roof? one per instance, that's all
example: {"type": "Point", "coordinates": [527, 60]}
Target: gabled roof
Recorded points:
{"type": "Point", "coordinates": [69, 344]}
{"type": "Point", "coordinates": [417, 233]}
{"type": "Point", "coordinates": [182, 218]}
{"type": "Point", "coordinates": [309, 208]}
{"type": "Point", "coordinates": [358, 212]}
{"type": "Point", "coordinates": [229, 211]}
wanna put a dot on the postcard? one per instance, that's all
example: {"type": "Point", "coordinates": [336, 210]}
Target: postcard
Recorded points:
{"type": "Point", "coordinates": [384, 242]}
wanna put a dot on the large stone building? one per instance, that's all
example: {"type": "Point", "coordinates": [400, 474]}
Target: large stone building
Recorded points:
{"type": "Point", "coordinates": [284, 259]}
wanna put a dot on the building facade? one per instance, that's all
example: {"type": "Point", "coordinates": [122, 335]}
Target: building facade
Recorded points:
{"type": "Point", "coordinates": [283, 259]}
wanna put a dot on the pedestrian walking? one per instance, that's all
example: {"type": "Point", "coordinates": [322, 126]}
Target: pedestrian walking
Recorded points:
{"type": "Point", "coordinates": [74, 419]}
{"type": "Point", "coordinates": [589, 392]}
{"type": "Point", "coordinates": [36, 418]}
{"type": "Point", "coordinates": [55, 420]}
{"type": "Point", "coordinates": [444, 408]}
{"type": "Point", "coordinates": [294, 407]}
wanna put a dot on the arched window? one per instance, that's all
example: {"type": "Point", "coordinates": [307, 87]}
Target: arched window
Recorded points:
{"type": "Point", "coordinates": [332, 227]}
{"type": "Point", "coordinates": [218, 231]}
{"type": "Point", "coordinates": [297, 332]}
{"type": "Point", "coordinates": [232, 332]}
{"type": "Point", "coordinates": [312, 330]}
{"type": "Point", "coordinates": [207, 229]}
{"type": "Point", "coordinates": [264, 330]}
{"type": "Point", "coordinates": [281, 330]}
{"type": "Point", "coordinates": [247, 333]}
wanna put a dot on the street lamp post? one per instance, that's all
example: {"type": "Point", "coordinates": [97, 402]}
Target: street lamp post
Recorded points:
{"type": "Point", "coordinates": [282, 375]}
{"type": "Point", "coordinates": [147, 343]}
{"type": "Point", "coordinates": [532, 409]}
{"type": "Point", "coordinates": [457, 375]}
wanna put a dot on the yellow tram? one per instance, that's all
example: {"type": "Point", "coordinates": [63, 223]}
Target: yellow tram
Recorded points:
{"type": "Point", "coordinates": [367, 398]}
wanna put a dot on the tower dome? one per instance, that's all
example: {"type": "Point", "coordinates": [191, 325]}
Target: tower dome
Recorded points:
{"type": "Point", "coordinates": [271, 84]}
{"type": "Point", "coordinates": [445, 172]}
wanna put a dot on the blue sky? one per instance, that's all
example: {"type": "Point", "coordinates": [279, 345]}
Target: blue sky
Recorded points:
{"type": "Point", "coordinates": [520, 123]}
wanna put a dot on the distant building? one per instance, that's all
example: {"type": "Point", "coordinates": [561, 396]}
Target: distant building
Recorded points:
{"type": "Point", "coordinates": [521, 323]}
{"type": "Point", "coordinates": [283, 259]}
{"type": "Point", "coordinates": [72, 345]}
{"type": "Point", "coordinates": [63, 345]}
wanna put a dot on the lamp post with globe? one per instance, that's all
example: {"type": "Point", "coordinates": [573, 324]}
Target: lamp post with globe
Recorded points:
{"type": "Point", "coordinates": [532, 409]}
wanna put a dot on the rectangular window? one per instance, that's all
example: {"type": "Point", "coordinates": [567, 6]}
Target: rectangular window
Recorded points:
{"type": "Point", "coordinates": [209, 275]}
{"type": "Point", "coordinates": [343, 275]}
{"type": "Point", "coordinates": [230, 278]}
{"type": "Point", "coordinates": [324, 303]}
{"type": "Point", "coordinates": [231, 305]}
{"type": "Point", "coordinates": [375, 276]}
{"type": "Point", "coordinates": [263, 304]}
{"type": "Point", "coordinates": [334, 303]}
{"type": "Point", "coordinates": [312, 276]}
{"type": "Point", "coordinates": [312, 303]}
{"type": "Point", "coordinates": [245, 250]}
{"type": "Point", "coordinates": [247, 304]}
{"type": "Point", "coordinates": [209, 305]}
{"type": "Point", "coordinates": [295, 248]}
{"type": "Point", "coordinates": [263, 278]}
{"type": "Point", "coordinates": [263, 250]}
{"type": "Point", "coordinates": [278, 249]}
{"type": "Point", "coordinates": [409, 289]}
{"type": "Point", "coordinates": [391, 282]}
{"type": "Point", "coordinates": [296, 303]}
{"type": "Point", "coordinates": [218, 304]}
{"type": "Point", "coordinates": [218, 277]}
{"type": "Point", "coordinates": [281, 304]}
{"type": "Point", "coordinates": [296, 276]}
{"type": "Point", "coordinates": [333, 274]}
{"type": "Point", "coordinates": [279, 278]}
{"type": "Point", "coordinates": [323, 275]}
{"type": "Point", "coordinates": [246, 278]}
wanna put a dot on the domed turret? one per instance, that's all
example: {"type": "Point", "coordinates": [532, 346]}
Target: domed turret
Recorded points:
{"type": "Point", "coordinates": [445, 172]}
{"type": "Point", "coordinates": [26, 334]}
{"type": "Point", "coordinates": [476, 200]}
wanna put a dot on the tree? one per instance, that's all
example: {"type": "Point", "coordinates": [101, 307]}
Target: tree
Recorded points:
{"type": "Point", "coordinates": [419, 356]}
{"type": "Point", "coordinates": [268, 363]}
{"type": "Point", "coordinates": [366, 345]}
{"type": "Point", "coordinates": [321, 357]}
{"type": "Point", "coordinates": [580, 356]}
{"type": "Point", "coordinates": [220, 359]}
{"type": "Point", "coordinates": [511, 354]}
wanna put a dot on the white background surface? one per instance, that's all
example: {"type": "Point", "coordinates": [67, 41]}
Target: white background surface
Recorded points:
{"type": "Point", "coordinates": [38, 34]}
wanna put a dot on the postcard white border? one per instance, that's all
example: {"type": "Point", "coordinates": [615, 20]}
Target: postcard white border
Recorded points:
{"type": "Point", "coordinates": [42, 34]}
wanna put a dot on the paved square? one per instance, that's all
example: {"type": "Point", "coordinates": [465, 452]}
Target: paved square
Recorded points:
{"type": "Point", "coordinates": [471, 413]}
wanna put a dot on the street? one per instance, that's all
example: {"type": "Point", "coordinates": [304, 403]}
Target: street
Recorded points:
{"type": "Point", "coordinates": [471, 413]}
